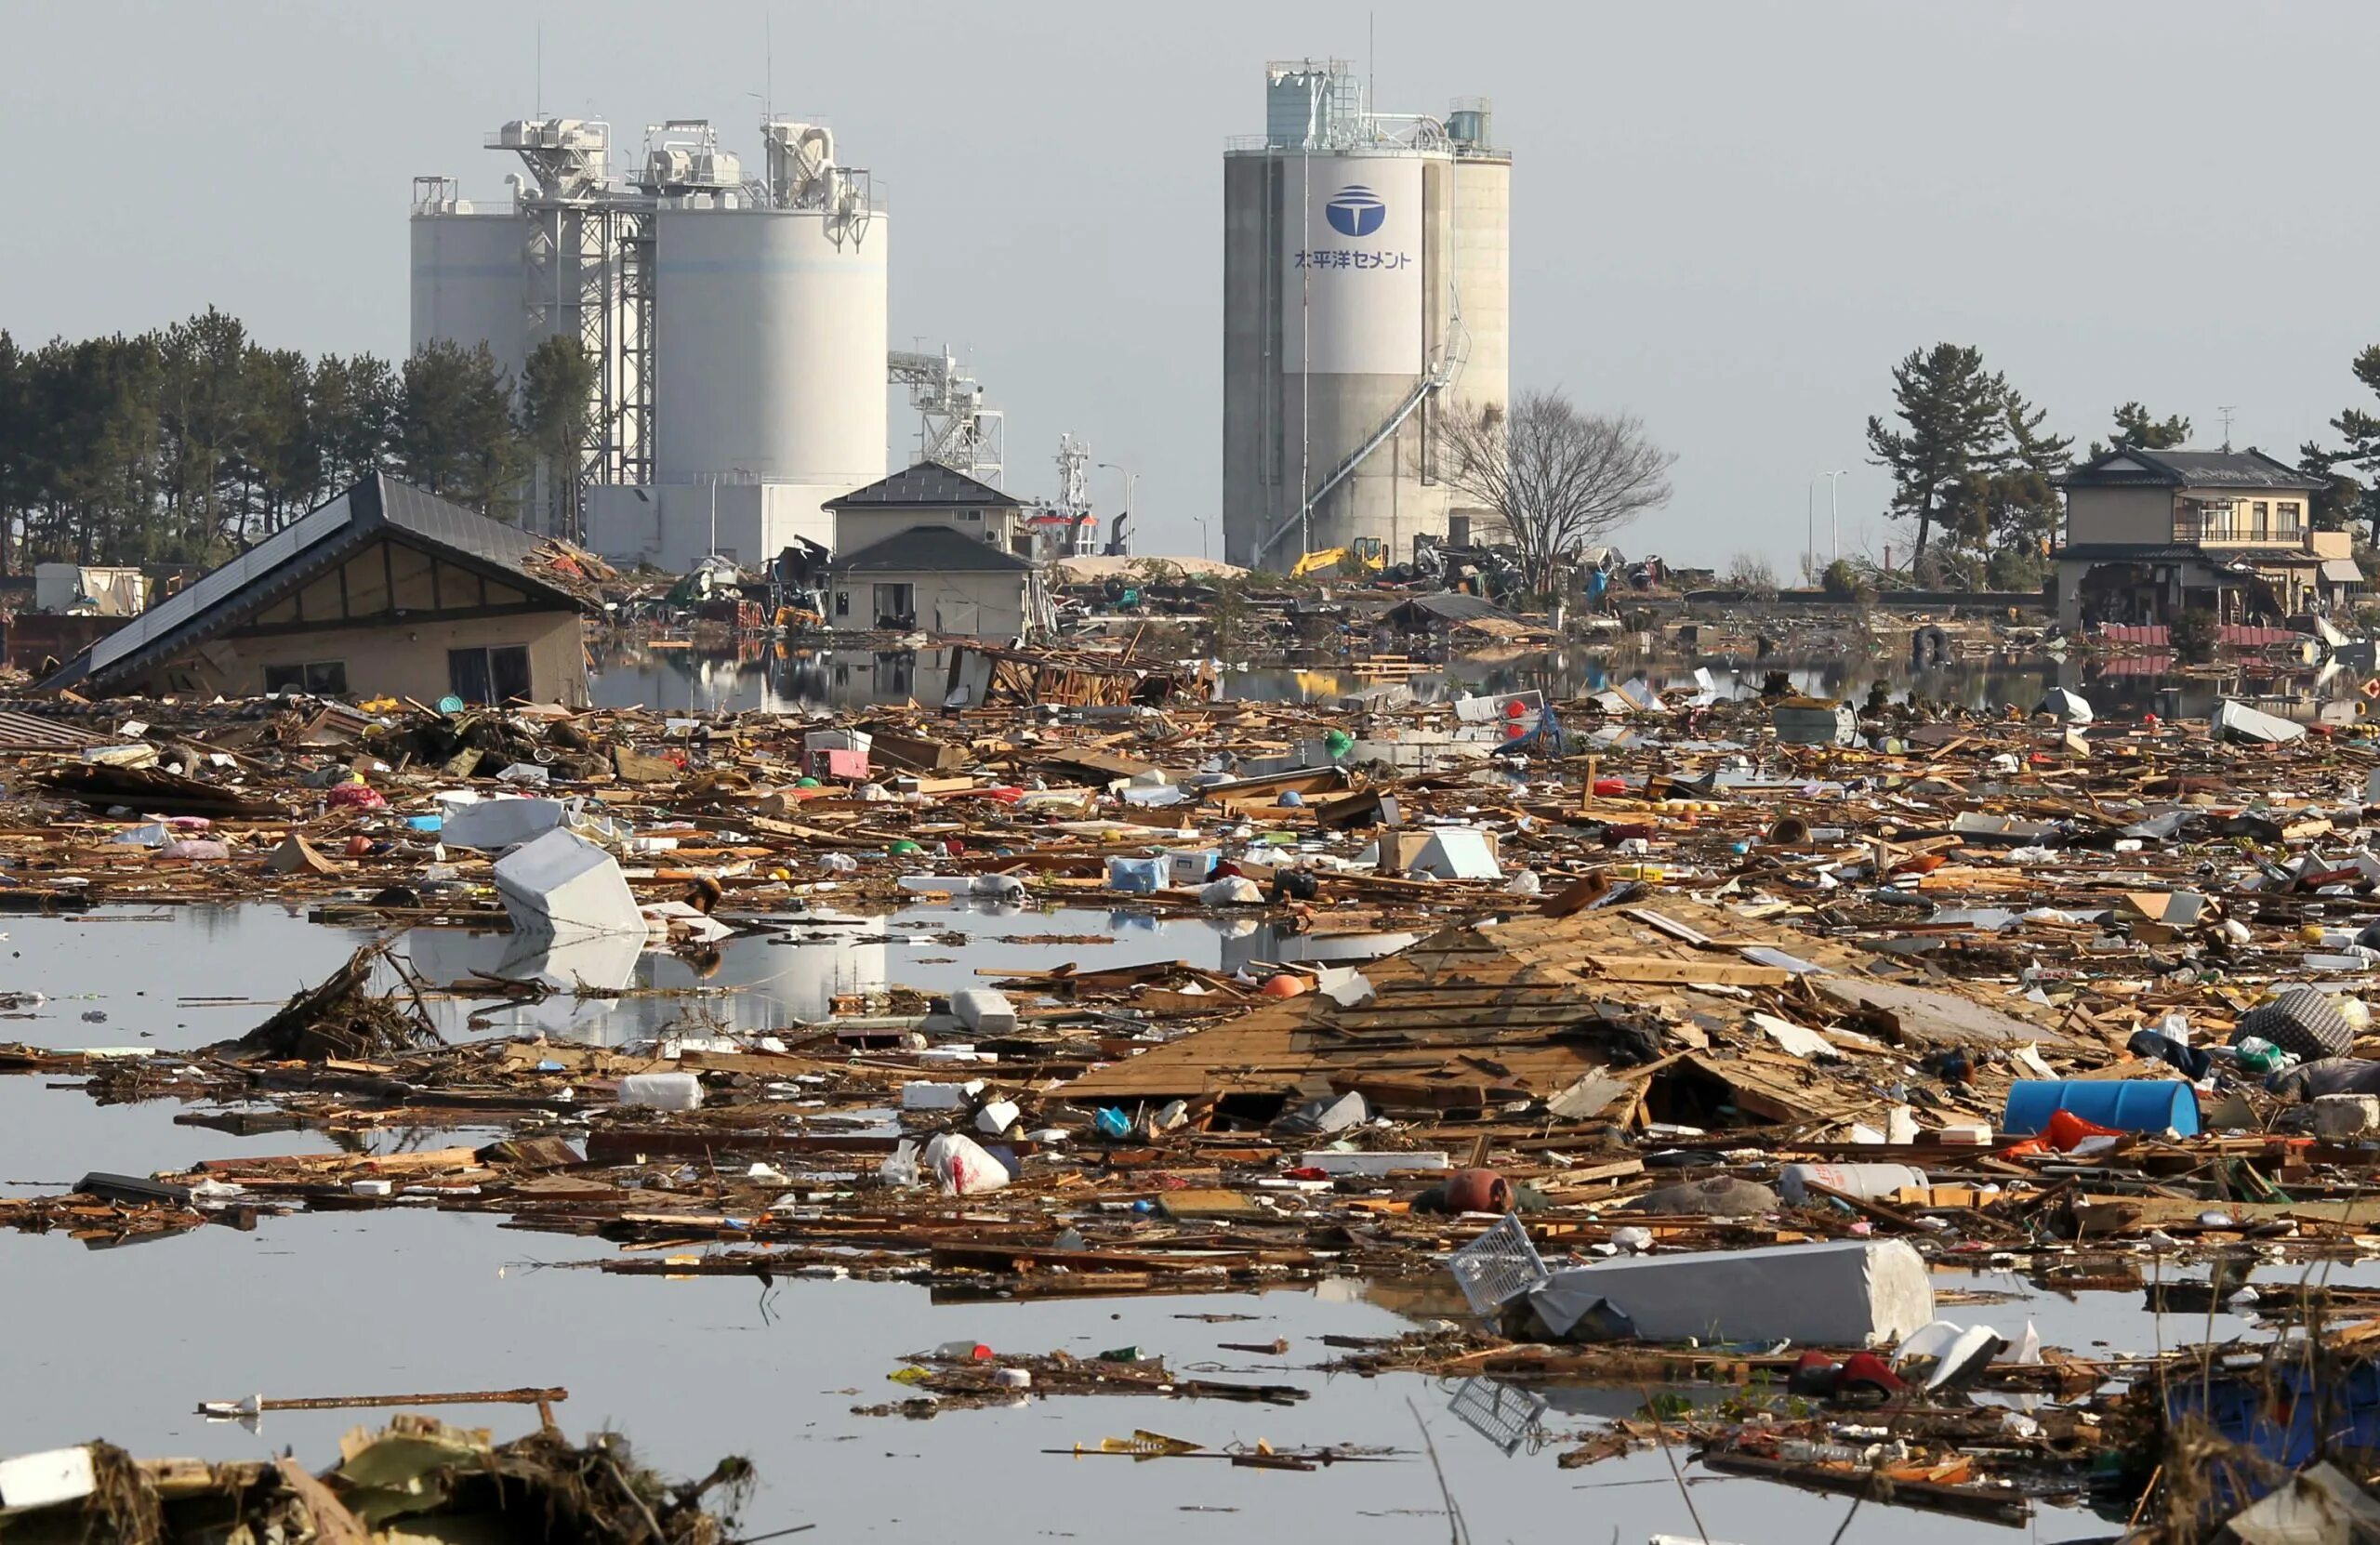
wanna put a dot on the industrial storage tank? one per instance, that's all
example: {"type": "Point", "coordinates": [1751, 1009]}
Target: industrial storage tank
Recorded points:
{"type": "Point", "coordinates": [769, 341]}
{"type": "Point", "coordinates": [1365, 300]}
{"type": "Point", "coordinates": [469, 269]}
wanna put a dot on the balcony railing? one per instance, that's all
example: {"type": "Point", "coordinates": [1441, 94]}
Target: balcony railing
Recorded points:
{"type": "Point", "coordinates": [2237, 531]}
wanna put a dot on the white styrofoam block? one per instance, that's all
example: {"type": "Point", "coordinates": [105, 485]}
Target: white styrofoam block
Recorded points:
{"type": "Point", "coordinates": [984, 1011]}
{"type": "Point", "coordinates": [492, 824]}
{"type": "Point", "coordinates": [1839, 1294]}
{"type": "Point", "coordinates": [47, 1478]}
{"type": "Point", "coordinates": [2338, 1115]}
{"type": "Point", "coordinates": [562, 884]}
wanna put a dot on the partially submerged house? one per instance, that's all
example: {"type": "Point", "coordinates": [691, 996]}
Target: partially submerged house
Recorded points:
{"type": "Point", "coordinates": [935, 578]}
{"type": "Point", "coordinates": [930, 548]}
{"type": "Point", "coordinates": [384, 591]}
{"type": "Point", "coordinates": [930, 495]}
{"type": "Point", "coordinates": [2151, 535]}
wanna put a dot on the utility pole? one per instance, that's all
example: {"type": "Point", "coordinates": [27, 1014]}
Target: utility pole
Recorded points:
{"type": "Point", "coordinates": [1834, 509]}
{"type": "Point", "coordinates": [1809, 528]}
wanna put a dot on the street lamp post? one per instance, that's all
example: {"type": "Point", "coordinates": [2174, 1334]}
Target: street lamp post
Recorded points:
{"type": "Point", "coordinates": [1131, 482]}
{"type": "Point", "coordinates": [1202, 535]}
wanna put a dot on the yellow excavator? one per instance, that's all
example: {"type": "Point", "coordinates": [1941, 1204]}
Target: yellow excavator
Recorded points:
{"type": "Point", "coordinates": [1364, 555]}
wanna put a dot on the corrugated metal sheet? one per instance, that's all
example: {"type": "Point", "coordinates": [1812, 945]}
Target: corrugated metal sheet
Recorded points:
{"type": "Point", "coordinates": [32, 732]}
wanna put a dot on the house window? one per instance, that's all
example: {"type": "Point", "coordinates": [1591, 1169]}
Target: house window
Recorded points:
{"type": "Point", "coordinates": [2292, 524]}
{"type": "Point", "coordinates": [970, 515]}
{"type": "Point", "coordinates": [842, 603]}
{"type": "Point", "coordinates": [2263, 520]}
{"type": "Point", "coordinates": [488, 675]}
{"type": "Point", "coordinates": [320, 677]}
{"type": "Point", "coordinates": [897, 605]}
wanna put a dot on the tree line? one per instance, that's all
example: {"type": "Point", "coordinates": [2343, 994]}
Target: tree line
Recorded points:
{"type": "Point", "coordinates": [1973, 464]}
{"type": "Point", "coordinates": [191, 442]}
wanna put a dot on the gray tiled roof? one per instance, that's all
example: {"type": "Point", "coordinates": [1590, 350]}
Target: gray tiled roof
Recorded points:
{"type": "Point", "coordinates": [2127, 467]}
{"type": "Point", "coordinates": [932, 549]}
{"type": "Point", "coordinates": [929, 485]}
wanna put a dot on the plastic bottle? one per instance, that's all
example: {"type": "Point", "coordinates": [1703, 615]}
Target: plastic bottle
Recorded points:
{"type": "Point", "coordinates": [1803, 1451]}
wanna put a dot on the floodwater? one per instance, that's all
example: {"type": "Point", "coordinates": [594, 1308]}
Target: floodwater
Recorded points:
{"type": "Point", "coordinates": [680, 680]}
{"type": "Point", "coordinates": [175, 979]}
{"type": "Point", "coordinates": [126, 1343]}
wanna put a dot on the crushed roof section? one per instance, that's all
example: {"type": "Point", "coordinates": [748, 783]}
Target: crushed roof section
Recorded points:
{"type": "Point", "coordinates": [219, 599]}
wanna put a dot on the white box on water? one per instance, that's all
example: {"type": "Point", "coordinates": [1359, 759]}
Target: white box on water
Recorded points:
{"type": "Point", "coordinates": [984, 1011]}
{"type": "Point", "coordinates": [1846, 1293]}
{"type": "Point", "coordinates": [563, 885]}
{"type": "Point", "coordinates": [492, 824]}
{"type": "Point", "coordinates": [47, 1478]}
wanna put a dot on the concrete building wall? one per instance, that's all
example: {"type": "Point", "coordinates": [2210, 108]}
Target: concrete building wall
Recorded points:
{"type": "Point", "coordinates": [988, 605]}
{"type": "Point", "coordinates": [669, 526]}
{"type": "Point", "coordinates": [2138, 515]}
{"type": "Point", "coordinates": [855, 529]}
{"type": "Point", "coordinates": [402, 659]}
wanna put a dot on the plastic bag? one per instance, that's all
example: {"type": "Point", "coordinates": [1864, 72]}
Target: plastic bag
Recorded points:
{"type": "Point", "coordinates": [900, 1167]}
{"type": "Point", "coordinates": [961, 1167]}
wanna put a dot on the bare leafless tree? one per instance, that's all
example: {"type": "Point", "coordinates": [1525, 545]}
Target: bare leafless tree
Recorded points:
{"type": "Point", "coordinates": [1557, 479]}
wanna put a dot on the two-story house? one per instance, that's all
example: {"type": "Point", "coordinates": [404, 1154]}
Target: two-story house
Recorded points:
{"type": "Point", "coordinates": [933, 549]}
{"type": "Point", "coordinates": [2151, 535]}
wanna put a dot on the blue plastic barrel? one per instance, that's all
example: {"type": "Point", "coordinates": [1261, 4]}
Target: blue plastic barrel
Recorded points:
{"type": "Point", "coordinates": [2126, 1105]}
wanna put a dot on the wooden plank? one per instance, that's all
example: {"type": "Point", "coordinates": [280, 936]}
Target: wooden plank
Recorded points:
{"type": "Point", "coordinates": [1727, 973]}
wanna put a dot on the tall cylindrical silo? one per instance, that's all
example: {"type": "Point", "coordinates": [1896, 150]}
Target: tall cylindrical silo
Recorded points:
{"type": "Point", "coordinates": [769, 341]}
{"type": "Point", "coordinates": [1366, 298]}
{"type": "Point", "coordinates": [468, 281]}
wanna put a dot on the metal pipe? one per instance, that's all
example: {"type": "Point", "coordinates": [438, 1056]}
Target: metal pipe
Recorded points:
{"type": "Point", "coordinates": [254, 1404]}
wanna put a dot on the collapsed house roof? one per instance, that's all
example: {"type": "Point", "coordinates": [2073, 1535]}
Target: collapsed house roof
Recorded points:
{"type": "Point", "coordinates": [1477, 1015]}
{"type": "Point", "coordinates": [224, 597]}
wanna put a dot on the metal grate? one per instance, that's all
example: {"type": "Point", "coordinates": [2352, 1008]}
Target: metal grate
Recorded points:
{"type": "Point", "coordinates": [1503, 1415]}
{"type": "Point", "coordinates": [1499, 1266]}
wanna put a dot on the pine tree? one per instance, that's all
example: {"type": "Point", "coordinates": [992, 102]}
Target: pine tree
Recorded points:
{"type": "Point", "coordinates": [2348, 499]}
{"type": "Point", "coordinates": [2136, 430]}
{"type": "Point", "coordinates": [557, 386]}
{"type": "Point", "coordinates": [1954, 411]}
{"type": "Point", "coordinates": [453, 427]}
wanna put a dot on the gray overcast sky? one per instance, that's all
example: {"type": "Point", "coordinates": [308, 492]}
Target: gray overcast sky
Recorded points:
{"type": "Point", "coordinates": [1731, 218]}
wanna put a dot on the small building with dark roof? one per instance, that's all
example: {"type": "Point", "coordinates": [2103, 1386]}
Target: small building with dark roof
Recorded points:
{"type": "Point", "coordinates": [2151, 535]}
{"type": "Point", "coordinates": [384, 591]}
{"type": "Point", "coordinates": [930, 495]}
{"type": "Point", "coordinates": [938, 578]}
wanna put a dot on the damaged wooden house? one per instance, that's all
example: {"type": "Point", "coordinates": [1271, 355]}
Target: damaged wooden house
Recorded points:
{"type": "Point", "coordinates": [1664, 1012]}
{"type": "Point", "coordinates": [385, 591]}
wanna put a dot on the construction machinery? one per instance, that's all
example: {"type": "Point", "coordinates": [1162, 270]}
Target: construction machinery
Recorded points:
{"type": "Point", "coordinates": [1364, 555]}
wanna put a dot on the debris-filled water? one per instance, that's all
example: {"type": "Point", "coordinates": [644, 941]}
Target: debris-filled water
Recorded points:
{"type": "Point", "coordinates": [1675, 1101]}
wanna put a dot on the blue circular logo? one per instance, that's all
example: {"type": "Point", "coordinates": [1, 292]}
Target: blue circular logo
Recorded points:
{"type": "Point", "coordinates": [1356, 210]}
